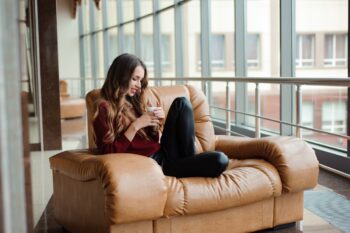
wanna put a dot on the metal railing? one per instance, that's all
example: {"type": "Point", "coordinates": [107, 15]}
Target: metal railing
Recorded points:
{"type": "Point", "coordinates": [298, 82]}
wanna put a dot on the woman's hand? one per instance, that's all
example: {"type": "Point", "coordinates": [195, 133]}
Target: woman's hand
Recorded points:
{"type": "Point", "coordinates": [159, 113]}
{"type": "Point", "coordinates": [147, 119]}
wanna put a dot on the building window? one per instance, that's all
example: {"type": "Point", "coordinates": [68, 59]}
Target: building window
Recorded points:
{"type": "Point", "coordinates": [305, 51]}
{"type": "Point", "coordinates": [147, 51]}
{"type": "Point", "coordinates": [334, 117]}
{"type": "Point", "coordinates": [165, 51]}
{"type": "Point", "coordinates": [335, 50]}
{"type": "Point", "coordinates": [217, 51]}
{"type": "Point", "coordinates": [253, 50]}
{"type": "Point", "coordinates": [307, 116]}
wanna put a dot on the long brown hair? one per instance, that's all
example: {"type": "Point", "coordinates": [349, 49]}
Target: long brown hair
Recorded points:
{"type": "Point", "coordinates": [122, 109]}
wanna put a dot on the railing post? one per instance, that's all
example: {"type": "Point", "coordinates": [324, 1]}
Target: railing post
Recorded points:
{"type": "Point", "coordinates": [298, 110]}
{"type": "Point", "coordinates": [257, 111]}
{"type": "Point", "coordinates": [228, 108]}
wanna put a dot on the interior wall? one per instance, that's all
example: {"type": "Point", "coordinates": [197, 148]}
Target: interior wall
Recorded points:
{"type": "Point", "coordinates": [68, 40]}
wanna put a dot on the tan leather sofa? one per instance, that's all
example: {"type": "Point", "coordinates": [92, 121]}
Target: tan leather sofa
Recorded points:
{"type": "Point", "coordinates": [70, 107]}
{"type": "Point", "coordinates": [262, 188]}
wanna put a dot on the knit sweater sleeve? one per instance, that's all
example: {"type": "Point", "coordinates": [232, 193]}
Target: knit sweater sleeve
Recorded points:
{"type": "Point", "coordinates": [120, 143]}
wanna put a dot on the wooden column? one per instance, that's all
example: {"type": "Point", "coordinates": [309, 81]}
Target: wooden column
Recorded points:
{"type": "Point", "coordinates": [49, 77]}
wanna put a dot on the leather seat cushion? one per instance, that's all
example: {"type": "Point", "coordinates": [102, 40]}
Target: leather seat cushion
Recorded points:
{"type": "Point", "coordinates": [249, 181]}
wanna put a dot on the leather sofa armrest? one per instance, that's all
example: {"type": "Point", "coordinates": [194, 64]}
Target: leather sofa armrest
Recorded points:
{"type": "Point", "coordinates": [293, 158]}
{"type": "Point", "coordinates": [135, 187]}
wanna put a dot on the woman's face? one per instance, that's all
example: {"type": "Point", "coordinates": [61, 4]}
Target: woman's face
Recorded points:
{"type": "Point", "coordinates": [135, 81]}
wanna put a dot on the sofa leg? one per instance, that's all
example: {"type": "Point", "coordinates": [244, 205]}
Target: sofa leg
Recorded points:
{"type": "Point", "coordinates": [299, 225]}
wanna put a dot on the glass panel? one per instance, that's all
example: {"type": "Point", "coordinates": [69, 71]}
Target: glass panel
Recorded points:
{"type": "Point", "coordinates": [165, 3]}
{"type": "Point", "coordinates": [218, 100]}
{"type": "Point", "coordinates": [86, 16]}
{"type": "Point", "coordinates": [270, 107]}
{"type": "Point", "coordinates": [222, 42]}
{"type": "Point", "coordinates": [128, 13]}
{"type": "Point", "coordinates": [147, 53]}
{"type": "Point", "coordinates": [253, 50]}
{"type": "Point", "coordinates": [324, 108]}
{"type": "Point", "coordinates": [320, 20]}
{"type": "Point", "coordinates": [218, 50]}
{"type": "Point", "coordinates": [167, 43]}
{"type": "Point", "coordinates": [100, 57]}
{"type": "Point", "coordinates": [191, 32]}
{"type": "Point", "coordinates": [263, 60]}
{"type": "Point", "coordinates": [98, 17]}
{"type": "Point", "coordinates": [87, 56]}
{"type": "Point", "coordinates": [113, 43]}
{"type": "Point", "coordinates": [112, 12]}
{"type": "Point", "coordinates": [263, 39]}
{"type": "Point", "coordinates": [146, 7]}
{"type": "Point", "coordinates": [129, 38]}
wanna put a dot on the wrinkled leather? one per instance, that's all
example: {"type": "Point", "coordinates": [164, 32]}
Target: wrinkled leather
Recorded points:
{"type": "Point", "coordinates": [251, 181]}
{"type": "Point", "coordinates": [293, 158]}
{"type": "Point", "coordinates": [247, 218]}
{"type": "Point", "coordinates": [129, 181]}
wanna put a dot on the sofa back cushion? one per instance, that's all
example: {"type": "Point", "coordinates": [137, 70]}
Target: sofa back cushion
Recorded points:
{"type": "Point", "coordinates": [205, 138]}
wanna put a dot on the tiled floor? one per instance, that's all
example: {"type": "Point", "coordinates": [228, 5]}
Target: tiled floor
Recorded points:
{"type": "Point", "coordinates": [74, 136]}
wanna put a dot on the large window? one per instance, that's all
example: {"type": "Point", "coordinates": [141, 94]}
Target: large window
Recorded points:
{"type": "Point", "coordinates": [334, 117]}
{"type": "Point", "coordinates": [305, 51]}
{"type": "Point", "coordinates": [336, 47]}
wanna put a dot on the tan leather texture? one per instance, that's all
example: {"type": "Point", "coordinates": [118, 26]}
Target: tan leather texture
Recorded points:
{"type": "Point", "coordinates": [288, 208]}
{"type": "Point", "coordinates": [294, 159]}
{"type": "Point", "coordinates": [247, 218]}
{"type": "Point", "coordinates": [129, 182]}
{"type": "Point", "coordinates": [164, 96]}
{"type": "Point", "coordinates": [250, 181]}
{"type": "Point", "coordinates": [69, 211]}
{"type": "Point", "coordinates": [134, 227]}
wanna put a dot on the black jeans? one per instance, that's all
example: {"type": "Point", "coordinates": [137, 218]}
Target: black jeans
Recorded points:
{"type": "Point", "coordinates": [177, 153]}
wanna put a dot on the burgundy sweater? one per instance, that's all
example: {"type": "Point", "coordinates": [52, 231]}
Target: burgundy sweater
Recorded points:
{"type": "Point", "coordinates": [121, 144]}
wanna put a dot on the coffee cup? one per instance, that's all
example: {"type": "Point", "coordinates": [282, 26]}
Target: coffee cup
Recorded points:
{"type": "Point", "coordinates": [151, 109]}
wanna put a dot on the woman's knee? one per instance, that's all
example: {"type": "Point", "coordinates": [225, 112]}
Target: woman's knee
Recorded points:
{"type": "Point", "coordinates": [221, 159]}
{"type": "Point", "coordinates": [182, 102]}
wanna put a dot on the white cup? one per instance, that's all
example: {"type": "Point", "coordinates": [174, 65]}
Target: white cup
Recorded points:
{"type": "Point", "coordinates": [151, 109]}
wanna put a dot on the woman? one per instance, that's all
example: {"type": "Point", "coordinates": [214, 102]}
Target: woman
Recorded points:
{"type": "Point", "coordinates": [122, 124]}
